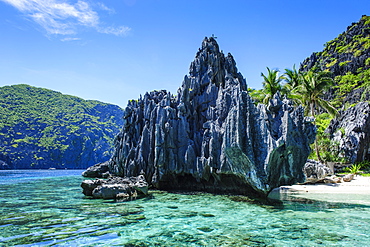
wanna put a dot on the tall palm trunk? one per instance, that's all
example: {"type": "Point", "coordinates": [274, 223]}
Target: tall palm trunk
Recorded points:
{"type": "Point", "coordinates": [312, 108]}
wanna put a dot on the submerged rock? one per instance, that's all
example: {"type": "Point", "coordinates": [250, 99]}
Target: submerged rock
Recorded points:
{"type": "Point", "coordinates": [116, 188]}
{"type": "Point", "coordinates": [352, 131]}
{"type": "Point", "coordinates": [211, 136]}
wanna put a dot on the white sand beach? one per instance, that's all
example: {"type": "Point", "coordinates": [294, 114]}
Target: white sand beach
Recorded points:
{"type": "Point", "coordinates": [359, 185]}
{"type": "Point", "coordinates": [357, 191]}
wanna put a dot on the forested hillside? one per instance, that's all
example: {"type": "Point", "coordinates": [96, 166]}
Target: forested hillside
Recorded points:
{"type": "Point", "coordinates": [41, 128]}
{"type": "Point", "coordinates": [347, 58]}
{"type": "Point", "coordinates": [334, 87]}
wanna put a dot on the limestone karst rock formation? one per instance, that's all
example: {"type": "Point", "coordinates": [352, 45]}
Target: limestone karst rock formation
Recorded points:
{"type": "Point", "coordinates": [351, 130]}
{"type": "Point", "coordinates": [211, 136]}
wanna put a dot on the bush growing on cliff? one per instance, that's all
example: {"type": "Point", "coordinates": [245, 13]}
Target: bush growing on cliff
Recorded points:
{"type": "Point", "coordinates": [328, 149]}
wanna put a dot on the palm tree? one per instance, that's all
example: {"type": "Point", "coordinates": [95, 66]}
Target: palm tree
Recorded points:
{"type": "Point", "coordinates": [271, 84]}
{"type": "Point", "coordinates": [292, 76]}
{"type": "Point", "coordinates": [256, 94]}
{"type": "Point", "coordinates": [293, 80]}
{"type": "Point", "coordinates": [311, 89]}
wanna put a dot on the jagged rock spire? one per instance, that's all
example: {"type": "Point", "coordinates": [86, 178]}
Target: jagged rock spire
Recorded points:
{"type": "Point", "coordinates": [211, 65]}
{"type": "Point", "coordinates": [211, 137]}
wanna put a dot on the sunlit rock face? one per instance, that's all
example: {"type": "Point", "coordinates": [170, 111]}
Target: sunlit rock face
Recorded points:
{"type": "Point", "coordinates": [211, 136]}
{"type": "Point", "coordinates": [354, 142]}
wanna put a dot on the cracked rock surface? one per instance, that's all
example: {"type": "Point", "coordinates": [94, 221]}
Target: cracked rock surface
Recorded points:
{"type": "Point", "coordinates": [211, 136]}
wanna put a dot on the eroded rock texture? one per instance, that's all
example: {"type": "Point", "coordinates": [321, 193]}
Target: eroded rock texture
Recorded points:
{"type": "Point", "coordinates": [315, 171]}
{"type": "Point", "coordinates": [116, 188]}
{"type": "Point", "coordinates": [211, 136]}
{"type": "Point", "coordinates": [100, 170]}
{"type": "Point", "coordinates": [352, 132]}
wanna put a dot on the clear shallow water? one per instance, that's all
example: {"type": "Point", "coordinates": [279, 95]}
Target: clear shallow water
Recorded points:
{"type": "Point", "coordinates": [47, 208]}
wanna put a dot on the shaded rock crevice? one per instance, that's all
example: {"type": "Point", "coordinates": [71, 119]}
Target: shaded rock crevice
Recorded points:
{"type": "Point", "coordinates": [211, 136]}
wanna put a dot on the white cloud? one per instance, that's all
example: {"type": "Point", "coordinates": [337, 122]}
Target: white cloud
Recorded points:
{"type": "Point", "coordinates": [102, 6]}
{"type": "Point", "coordinates": [70, 39]}
{"type": "Point", "coordinates": [118, 31]}
{"type": "Point", "coordinates": [59, 17]}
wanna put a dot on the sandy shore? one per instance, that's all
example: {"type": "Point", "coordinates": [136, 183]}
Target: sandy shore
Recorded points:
{"type": "Point", "coordinates": [359, 185]}
{"type": "Point", "coordinates": [356, 191]}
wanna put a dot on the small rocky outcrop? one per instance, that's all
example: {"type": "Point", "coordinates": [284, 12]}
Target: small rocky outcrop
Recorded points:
{"type": "Point", "coordinates": [352, 132]}
{"type": "Point", "coordinates": [211, 136]}
{"type": "Point", "coordinates": [100, 170]}
{"type": "Point", "coordinates": [315, 171]}
{"type": "Point", "coordinates": [116, 188]}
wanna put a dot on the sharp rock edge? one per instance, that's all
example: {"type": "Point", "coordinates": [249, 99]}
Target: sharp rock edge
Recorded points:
{"type": "Point", "coordinates": [211, 136]}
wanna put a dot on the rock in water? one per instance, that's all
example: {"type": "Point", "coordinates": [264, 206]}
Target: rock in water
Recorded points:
{"type": "Point", "coordinates": [211, 136]}
{"type": "Point", "coordinates": [116, 188]}
{"type": "Point", "coordinates": [99, 170]}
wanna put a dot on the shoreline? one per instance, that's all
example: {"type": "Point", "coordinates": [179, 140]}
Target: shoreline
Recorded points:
{"type": "Point", "coordinates": [355, 192]}
{"type": "Point", "coordinates": [359, 185]}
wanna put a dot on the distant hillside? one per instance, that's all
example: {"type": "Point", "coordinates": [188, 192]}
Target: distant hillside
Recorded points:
{"type": "Point", "coordinates": [41, 128]}
{"type": "Point", "coordinates": [347, 57]}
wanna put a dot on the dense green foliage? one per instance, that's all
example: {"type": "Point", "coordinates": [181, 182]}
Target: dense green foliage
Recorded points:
{"type": "Point", "coordinates": [347, 58]}
{"type": "Point", "coordinates": [310, 91]}
{"type": "Point", "coordinates": [334, 79]}
{"type": "Point", "coordinates": [40, 128]}
{"type": "Point", "coordinates": [271, 84]}
{"type": "Point", "coordinates": [327, 148]}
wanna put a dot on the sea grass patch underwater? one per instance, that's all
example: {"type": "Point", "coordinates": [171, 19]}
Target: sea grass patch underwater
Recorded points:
{"type": "Point", "coordinates": [52, 211]}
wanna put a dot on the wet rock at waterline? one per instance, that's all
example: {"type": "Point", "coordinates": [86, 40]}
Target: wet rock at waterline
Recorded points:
{"type": "Point", "coordinates": [116, 188]}
{"type": "Point", "coordinates": [211, 136]}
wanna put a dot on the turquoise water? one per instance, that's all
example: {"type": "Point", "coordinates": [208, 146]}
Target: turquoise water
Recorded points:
{"type": "Point", "coordinates": [47, 208]}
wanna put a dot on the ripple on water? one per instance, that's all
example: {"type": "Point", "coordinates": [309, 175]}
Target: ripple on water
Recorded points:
{"type": "Point", "coordinates": [34, 212]}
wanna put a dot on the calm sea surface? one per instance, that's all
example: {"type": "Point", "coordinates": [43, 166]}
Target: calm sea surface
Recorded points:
{"type": "Point", "coordinates": [47, 208]}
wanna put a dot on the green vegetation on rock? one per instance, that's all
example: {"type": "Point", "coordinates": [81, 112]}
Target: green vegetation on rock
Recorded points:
{"type": "Point", "coordinates": [41, 128]}
{"type": "Point", "coordinates": [332, 80]}
{"type": "Point", "coordinates": [347, 58]}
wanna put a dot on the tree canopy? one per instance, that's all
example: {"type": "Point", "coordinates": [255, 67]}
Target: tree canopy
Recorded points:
{"type": "Point", "coordinates": [41, 127]}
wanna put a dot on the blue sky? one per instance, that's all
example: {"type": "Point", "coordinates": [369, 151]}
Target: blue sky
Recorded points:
{"type": "Point", "coordinates": [115, 50]}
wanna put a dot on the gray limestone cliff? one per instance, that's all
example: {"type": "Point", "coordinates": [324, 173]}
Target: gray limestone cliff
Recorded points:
{"type": "Point", "coordinates": [352, 132]}
{"type": "Point", "coordinates": [211, 136]}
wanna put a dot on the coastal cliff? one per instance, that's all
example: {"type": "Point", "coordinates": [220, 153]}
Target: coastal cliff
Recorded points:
{"type": "Point", "coordinates": [211, 136]}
